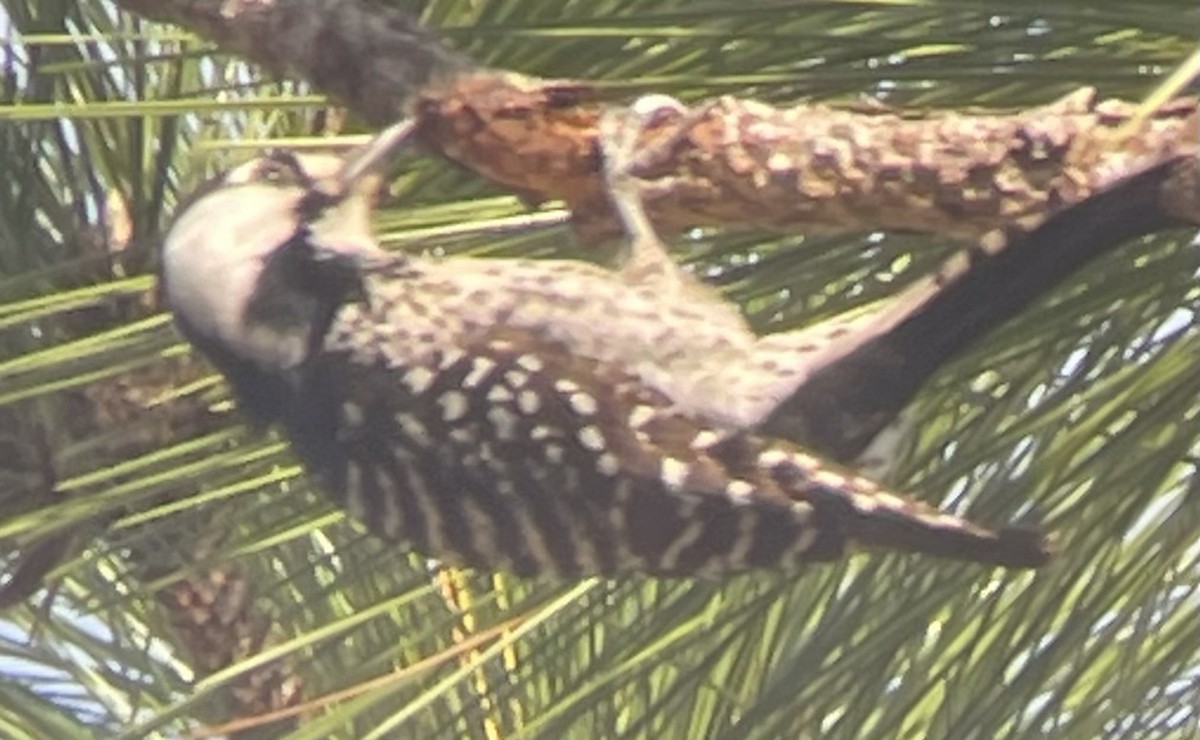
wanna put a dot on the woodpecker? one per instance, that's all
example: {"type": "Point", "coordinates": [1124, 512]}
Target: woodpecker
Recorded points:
{"type": "Point", "coordinates": [533, 416]}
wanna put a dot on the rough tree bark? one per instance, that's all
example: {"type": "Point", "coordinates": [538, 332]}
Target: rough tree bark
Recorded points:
{"type": "Point", "coordinates": [741, 162]}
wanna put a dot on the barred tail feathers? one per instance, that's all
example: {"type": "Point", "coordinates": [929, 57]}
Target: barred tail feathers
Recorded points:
{"type": "Point", "coordinates": [870, 516]}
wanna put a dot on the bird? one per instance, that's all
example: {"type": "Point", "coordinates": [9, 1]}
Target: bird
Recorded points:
{"type": "Point", "coordinates": [542, 417]}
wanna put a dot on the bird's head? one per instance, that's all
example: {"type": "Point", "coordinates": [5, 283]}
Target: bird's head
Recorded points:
{"type": "Point", "coordinates": [257, 260]}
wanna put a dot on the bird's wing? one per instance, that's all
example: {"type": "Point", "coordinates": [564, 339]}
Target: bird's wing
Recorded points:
{"type": "Point", "coordinates": [513, 453]}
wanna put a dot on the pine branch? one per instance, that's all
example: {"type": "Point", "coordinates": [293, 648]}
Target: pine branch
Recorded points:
{"type": "Point", "coordinates": [739, 163]}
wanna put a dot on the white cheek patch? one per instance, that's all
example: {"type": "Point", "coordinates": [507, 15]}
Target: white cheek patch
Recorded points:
{"type": "Point", "coordinates": [213, 257]}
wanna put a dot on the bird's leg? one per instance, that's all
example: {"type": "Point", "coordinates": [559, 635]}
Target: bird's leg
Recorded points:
{"type": "Point", "coordinates": [646, 261]}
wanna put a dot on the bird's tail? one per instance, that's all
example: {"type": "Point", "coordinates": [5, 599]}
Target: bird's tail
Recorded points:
{"type": "Point", "coordinates": [913, 527]}
{"type": "Point", "coordinates": [869, 516]}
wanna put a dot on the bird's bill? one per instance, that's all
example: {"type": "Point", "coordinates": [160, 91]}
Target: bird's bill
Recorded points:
{"type": "Point", "coordinates": [373, 156]}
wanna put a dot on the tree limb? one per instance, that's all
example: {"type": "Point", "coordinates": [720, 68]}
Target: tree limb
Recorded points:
{"type": "Point", "coordinates": [740, 163]}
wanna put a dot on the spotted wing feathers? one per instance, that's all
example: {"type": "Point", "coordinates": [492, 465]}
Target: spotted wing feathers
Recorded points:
{"type": "Point", "coordinates": [513, 454]}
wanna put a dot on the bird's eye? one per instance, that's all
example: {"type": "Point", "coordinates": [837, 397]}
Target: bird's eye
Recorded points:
{"type": "Point", "coordinates": [272, 172]}
{"type": "Point", "coordinates": [282, 167]}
